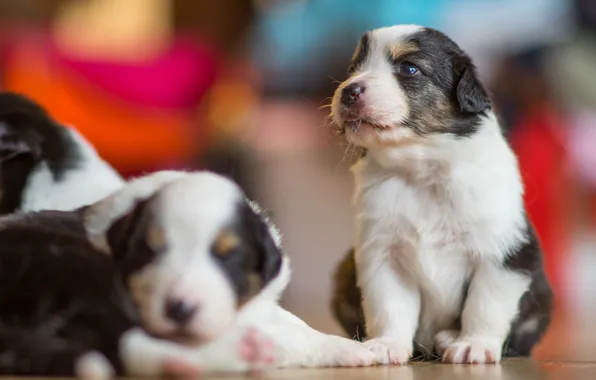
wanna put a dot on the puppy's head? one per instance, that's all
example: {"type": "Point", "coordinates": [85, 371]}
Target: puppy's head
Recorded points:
{"type": "Point", "coordinates": [191, 254]}
{"type": "Point", "coordinates": [408, 82]}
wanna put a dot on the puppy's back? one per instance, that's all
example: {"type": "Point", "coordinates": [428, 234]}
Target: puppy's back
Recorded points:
{"type": "Point", "coordinates": [57, 296]}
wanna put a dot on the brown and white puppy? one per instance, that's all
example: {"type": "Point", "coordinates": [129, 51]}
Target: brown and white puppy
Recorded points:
{"type": "Point", "coordinates": [445, 260]}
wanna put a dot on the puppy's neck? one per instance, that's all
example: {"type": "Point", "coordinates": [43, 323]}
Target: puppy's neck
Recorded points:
{"type": "Point", "coordinates": [434, 158]}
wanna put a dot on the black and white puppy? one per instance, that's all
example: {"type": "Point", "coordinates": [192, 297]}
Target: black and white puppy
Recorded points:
{"type": "Point", "coordinates": [44, 165]}
{"type": "Point", "coordinates": [445, 259]}
{"type": "Point", "coordinates": [82, 177]}
{"type": "Point", "coordinates": [135, 282]}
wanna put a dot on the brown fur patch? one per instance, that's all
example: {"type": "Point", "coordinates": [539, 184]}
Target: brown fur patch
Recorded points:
{"type": "Point", "coordinates": [225, 243]}
{"type": "Point", "coordinates": [401, 48]}
{"type": "Point", "coordinates": [156, 238]}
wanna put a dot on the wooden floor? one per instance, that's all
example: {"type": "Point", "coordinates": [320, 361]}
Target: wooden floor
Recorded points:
{"type": "Point", "coordinates": [568, 352]}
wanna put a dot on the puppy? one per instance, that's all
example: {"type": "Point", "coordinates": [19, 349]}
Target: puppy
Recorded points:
{"type": "Point", "coordinates": [89, 178]}
{"type": "Point", "coordinates": [74, 304]}
{"type": "Point", "coordinates": [445, 259]}
{"type": "Point", "coordinates": [228, 215]}
{"type": "Point", "coordinates": [44, 165]}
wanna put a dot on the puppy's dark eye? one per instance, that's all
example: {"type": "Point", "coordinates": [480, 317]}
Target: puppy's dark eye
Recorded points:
{"type": "Point", "coordinates": [406, 68]}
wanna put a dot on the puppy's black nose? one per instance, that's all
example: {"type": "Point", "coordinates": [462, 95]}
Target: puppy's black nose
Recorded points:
{"type": "Point", "coordinates": [351, 94]}
{"type": "Point", "coordinates": [179, 311]}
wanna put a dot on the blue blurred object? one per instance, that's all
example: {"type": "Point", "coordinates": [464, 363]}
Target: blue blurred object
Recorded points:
{"type": "Point", "coordinates": [288, 35]}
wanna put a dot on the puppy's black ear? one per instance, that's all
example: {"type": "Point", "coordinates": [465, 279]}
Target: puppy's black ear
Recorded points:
{"type": "Point", "coordinates": [125, 230]}
{"type": "Point", "coordinates": [270, 256]}
{"type": "Point", "coordinates": [14, 144]}
{"type": "Point", "coordinates": [472, 97]}
{"type": "Point", "coordinates": [20, 119]}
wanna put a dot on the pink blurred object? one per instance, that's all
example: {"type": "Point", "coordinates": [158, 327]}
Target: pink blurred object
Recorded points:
{"type": "Point", "coordinates": [581, 143]}
{"type": "Point", "coordinates": [177, 78]}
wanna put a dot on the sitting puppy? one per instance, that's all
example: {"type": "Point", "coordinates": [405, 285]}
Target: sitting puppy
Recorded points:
{"type": "Point", "coordinates": [445, 259]}
{"type": "Point", "coordinates": [44, 165]}
{"type": "Point", "coordinates": [88, 178]}
{"type": "Point", "coordinates": [71, 303]}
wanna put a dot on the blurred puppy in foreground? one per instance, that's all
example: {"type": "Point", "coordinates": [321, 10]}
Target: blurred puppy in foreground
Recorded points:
{"type": "Point", "coordinates": [445, 259]}
{"type": "Point", "coordinates": [138, 283]}
{"type": "Point", "coordinates": [228, 231]}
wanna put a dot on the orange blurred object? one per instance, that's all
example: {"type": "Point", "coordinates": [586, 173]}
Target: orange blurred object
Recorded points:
{"type": "Point", "coordinates": [131, 139]}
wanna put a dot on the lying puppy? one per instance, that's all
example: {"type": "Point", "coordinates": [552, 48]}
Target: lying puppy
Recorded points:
{"type": "Point", "coordinates": [445, 258]}
{"type": "Point", "coordinates": [297, 344]}
{"type": "Point", "coordinates": [70, 303]}
{"type": "Point", "coordinates": [44, 165]}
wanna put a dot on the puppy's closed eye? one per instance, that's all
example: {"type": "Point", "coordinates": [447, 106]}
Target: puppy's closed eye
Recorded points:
{"type": "Point", "coordinates": [226, 242]}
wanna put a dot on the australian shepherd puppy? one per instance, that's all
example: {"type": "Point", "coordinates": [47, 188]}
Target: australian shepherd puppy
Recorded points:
{"type": "Point", "coordinates": [445, 259]}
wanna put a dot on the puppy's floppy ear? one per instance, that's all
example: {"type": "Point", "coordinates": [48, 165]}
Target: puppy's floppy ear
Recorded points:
{"type": "Point", "coordinates": [471, 95]}
{"type": "Point", "coordinates": [270, 256]}
{"type": "Point", "coordinates": [134, 231]}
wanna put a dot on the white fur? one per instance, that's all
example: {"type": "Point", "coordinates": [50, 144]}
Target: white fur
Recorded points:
{"type": "Point", "coordinates": [93, 366]}
{"type": "Point", "coordinates": [431, 215]}
{"type": "Point", "coordinates": [92, 180]}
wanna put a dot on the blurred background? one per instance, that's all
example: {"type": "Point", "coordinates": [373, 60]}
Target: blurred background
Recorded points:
{"type": "Point", "coordinates": [238, 86]}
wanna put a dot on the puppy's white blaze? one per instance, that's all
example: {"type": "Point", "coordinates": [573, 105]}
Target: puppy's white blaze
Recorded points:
{"type": "Point", "coordinates": [383, 37]}
{"type": "Point", "coordinates": [102, 214]}
{"type": "Point", "coordinates": [193, 211]}
{"type": "Point", "coordinates": [88, 183]}
{"type": "Point", "coordinates": [205, 286]}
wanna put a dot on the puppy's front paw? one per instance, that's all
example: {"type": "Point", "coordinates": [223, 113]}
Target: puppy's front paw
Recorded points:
{"type": "Point", "coordinates": [257, 350]}
{"type": "Point", "coordinates": [389, 351]}
{"type": "Point", "coordinates": [473, 351]}
{"type": "Point", "coordinates": [335, 351]}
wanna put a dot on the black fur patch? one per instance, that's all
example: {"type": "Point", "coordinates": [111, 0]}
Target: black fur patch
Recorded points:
{"type": "Point", "coordinates": [536, 305]}
{"type": "Point", "coordinates": [447, 96]}
{"type": "Point", "coordinates": [361, 53]}
{"type": "Point", "coordinates": [28, 136]}
{"type": "Point", "coordinates": [346, 303]}
{"type": "Point", "coordinates": [256, 254]}
{"type": "Point", "coordinates": [58, 296]}
{"type": "Point", "coordinates": [127, 238]}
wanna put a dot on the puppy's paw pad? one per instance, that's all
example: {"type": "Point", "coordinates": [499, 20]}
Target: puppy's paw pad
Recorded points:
{"type": "Point", "coordinates": [257, 350]}
{"type": "Point", "coordinates": [444, 339]}
{"type": "Point", "coordinates": [342, 352]}
{"type": "Point", "coordinates": [466, 351]}
{"type": "Point", "coordinates": [93, 366]}
{"type": "Point", "coordinates": [389, 351]}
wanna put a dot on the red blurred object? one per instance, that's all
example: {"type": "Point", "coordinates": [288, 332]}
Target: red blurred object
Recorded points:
{"type": "Point", "coordinates": [542, 157]}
